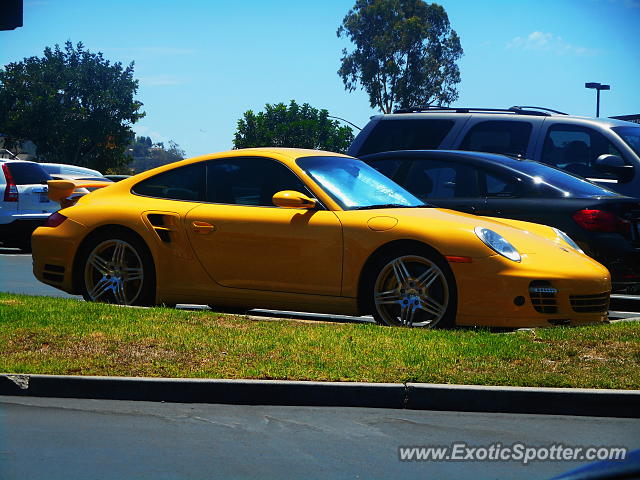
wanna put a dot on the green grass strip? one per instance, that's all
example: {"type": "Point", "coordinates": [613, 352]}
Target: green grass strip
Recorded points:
{"type": "Point", "coordinates": [68, 337]}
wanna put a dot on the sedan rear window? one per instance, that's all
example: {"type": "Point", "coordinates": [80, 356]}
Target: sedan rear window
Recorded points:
{"type": "Point", "coordinates": [27, 173]}
{"type": "Point", "coordinates": [558, 183]}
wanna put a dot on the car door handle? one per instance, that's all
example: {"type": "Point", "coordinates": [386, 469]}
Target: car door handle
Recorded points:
{"type": "Point", "coordinates": [202, 228]}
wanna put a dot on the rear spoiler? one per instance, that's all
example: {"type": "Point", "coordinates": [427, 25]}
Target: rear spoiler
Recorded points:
{"type": "Point", "coordinates": [61, 190]}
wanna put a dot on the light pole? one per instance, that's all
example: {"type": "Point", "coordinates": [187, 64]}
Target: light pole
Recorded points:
{"type": "Point", "coordinates": [597, 87]}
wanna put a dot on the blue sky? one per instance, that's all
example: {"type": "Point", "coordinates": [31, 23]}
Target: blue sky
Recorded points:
{"type": "Point", "coordinates": [201, 63]}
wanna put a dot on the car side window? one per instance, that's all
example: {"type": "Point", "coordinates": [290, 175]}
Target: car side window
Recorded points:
{"type": "Point", "coordinates": [183, 183]}
{"type": "Point", "coordinates": [428, 179]}
{"type": "Point", "coordinates": [575, 149]}
{"type": "Point", "coordinates": [510, 138]}
{"type": "Point", "coordinates": [499, 185]}
{"type": "Point", "coordinates": [250, 181]}
{"type": "Point", "coordinates": [411, 134]}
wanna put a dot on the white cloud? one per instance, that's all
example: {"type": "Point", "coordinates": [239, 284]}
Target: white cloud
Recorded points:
{"type": "Point", "coordinates": [548, 42]}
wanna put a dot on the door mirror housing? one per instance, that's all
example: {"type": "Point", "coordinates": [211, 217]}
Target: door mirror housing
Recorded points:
{"type": "Point", "coordinates": [293, 199]}
{"type": "Point", "coordinates": [614, 164]}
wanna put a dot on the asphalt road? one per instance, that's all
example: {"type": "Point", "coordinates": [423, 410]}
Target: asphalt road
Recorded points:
{"type": "Point", "coordinates": [42, 438]}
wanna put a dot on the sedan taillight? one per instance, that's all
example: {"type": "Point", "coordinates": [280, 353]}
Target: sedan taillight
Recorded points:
{"type": "Point", "coordinates": [54, 220]}
{"type": "Point", "coordinates": [11, 192]}
{"type": "Point", "coordinates": [600, 221]}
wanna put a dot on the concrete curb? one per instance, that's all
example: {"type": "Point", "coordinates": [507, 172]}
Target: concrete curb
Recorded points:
{"type": "Point", "coordinates": [415, 396]}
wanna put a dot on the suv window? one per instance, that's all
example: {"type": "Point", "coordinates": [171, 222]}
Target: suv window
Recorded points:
{"type": "Point", "coordinates": [498, 137]}
{"type": "Point", "coordinates": [575, 149]}
{"type": "Point", "coordinates": [631, 135]}
{"type": "Point", "coordinates": [249, 181]}
{"type": "Point", "coordinates": [419, 134]}
{"type": "Point", "coordinates": [183, 183]}
{"type": "Point", "coordinates": [441, 179]}
{"type": "Point", "coordinates": [27, 173]}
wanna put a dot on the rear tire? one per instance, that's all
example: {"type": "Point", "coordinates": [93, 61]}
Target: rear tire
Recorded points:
{"type": "Point", "coordinates": [116, 267]}
{"type": "Point", "coordinates": [412, 288]}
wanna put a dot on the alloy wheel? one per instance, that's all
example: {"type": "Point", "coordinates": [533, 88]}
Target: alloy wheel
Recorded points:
{"type": "Point", "coordinates": [411, 291]}
{"type": "Point", "coordinates": [114, 273]}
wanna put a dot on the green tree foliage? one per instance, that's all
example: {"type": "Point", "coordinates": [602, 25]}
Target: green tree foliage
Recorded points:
{"type": "Point", "coordinates": [140, 147]}
{"type": "Point", "coordinates": [292, 126]}
{"type": "Point", "coordinates": [76, 106]}
{"type": "Point", "coordinates": [144, 154]}
{"type": "Point", "coordinates": [405, 53]}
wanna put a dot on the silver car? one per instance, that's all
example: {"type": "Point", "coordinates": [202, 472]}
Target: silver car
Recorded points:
{"type": "Point", "coordinates": [24, 202]}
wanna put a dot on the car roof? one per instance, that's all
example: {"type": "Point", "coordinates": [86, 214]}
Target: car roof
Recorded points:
{"type": "Point", "coordinates": [16, 160]}
{"type": "Point", "coordinates": [76, 168]}
{"type": "Point", "coordinates": [477, 158]}
{"type": "Point", "coordinates": [505, 115]}
{"type": "Point", "coordinates": [463, 155]}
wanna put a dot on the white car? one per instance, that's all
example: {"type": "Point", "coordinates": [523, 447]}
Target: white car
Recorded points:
{"type": "Point", "coordinates": [24, 201]}
{"type": "Point", "coordinates": [70, 171]}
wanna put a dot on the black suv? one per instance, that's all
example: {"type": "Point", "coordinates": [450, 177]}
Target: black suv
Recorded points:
{"type": "Point", "coordinates": [603, 150]}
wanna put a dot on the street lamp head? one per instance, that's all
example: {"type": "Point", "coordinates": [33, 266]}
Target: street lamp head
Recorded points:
{"type": "Point", "coordinates": [597, 86]}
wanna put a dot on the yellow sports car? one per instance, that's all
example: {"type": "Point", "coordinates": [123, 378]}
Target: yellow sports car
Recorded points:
{"type": "Point", "coordinates": [310, 231]}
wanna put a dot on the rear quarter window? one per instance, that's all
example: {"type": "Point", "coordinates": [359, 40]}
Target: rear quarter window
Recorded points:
{"type": "Point", "coordinates": [28, 173]}
{"type": "Point", "coordinates": [184, 183]}
{"type": "Point", "coordinates": [414, 134]}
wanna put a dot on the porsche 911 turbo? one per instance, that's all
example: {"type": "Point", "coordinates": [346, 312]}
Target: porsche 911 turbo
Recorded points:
{"type": "Point", "coordinates": [314, 231]}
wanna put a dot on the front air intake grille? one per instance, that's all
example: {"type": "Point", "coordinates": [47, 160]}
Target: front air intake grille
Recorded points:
{"type": "Point", "coordinates": [543, 296]}
{"type": "Point", "coordinates": [597, 303]}
{"type": "Point", "coordinates": [54, 268]}
{"type": "Point", "coordinates": [52, 277]}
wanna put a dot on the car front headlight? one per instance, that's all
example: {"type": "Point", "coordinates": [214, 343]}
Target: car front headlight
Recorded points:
{"type": "Point", "coordinates": [567, 239]}
{"type": "Point", "coordinates": [497, 243]}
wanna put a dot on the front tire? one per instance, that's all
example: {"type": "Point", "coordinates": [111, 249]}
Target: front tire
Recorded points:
{"type": "Point", "coordinates": [413, 289]}
{"type": "Point", "coordinates": [117, 268]}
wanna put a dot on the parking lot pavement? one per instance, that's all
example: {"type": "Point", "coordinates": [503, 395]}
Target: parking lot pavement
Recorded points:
{"type": "Point", "coordinates": [16, 276]}
{"type": "Point", "coordinates": [105, 439]}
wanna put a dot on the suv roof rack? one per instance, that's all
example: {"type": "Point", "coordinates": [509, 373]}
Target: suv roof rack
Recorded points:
{"type": "Point", "coordinates": [529, 108]}
{"type": "Point", "coordinates": [516, 109]}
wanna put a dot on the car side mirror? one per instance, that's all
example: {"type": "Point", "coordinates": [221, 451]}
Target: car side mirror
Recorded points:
{"type": "Point", "coordinates": [614, 164]}
{"type": "Point", "coordinates": [293, 199]}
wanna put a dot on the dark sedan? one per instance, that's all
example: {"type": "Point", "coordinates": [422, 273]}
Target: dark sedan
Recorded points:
{"type": "Point", "coordinates": [605, 224]}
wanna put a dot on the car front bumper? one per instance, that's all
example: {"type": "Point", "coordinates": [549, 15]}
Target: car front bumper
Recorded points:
{"type": "Point", "coordinates": [496, 292]}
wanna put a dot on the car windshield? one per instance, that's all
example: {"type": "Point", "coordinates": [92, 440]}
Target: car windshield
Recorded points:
{"type": "Point", "coordinates": [631, 135]}
{"type": "Point", "coordinates": [355, 185]}
{"type": "Point", "coordinates": [562, 184]}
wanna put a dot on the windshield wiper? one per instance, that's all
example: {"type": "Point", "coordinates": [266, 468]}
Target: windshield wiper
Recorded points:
{"type": "Point", "coordinates": [392, 205]}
